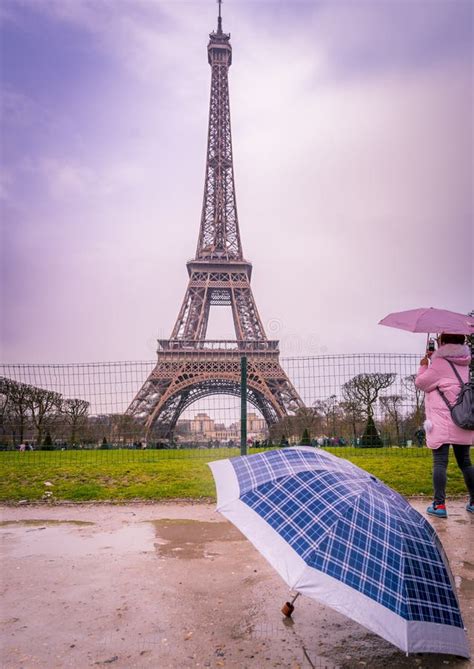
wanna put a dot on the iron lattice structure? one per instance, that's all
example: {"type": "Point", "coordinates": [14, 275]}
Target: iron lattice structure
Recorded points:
{"type": "Point", "coordinates": [190, 367]}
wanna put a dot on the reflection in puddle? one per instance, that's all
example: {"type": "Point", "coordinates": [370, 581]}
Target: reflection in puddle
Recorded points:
{"type": "Point", "coordinates": [314, 661]}
{"type": "Point", "coordinates": [187, 539]}
{"type": "Point", "coordinates": [286, 632]}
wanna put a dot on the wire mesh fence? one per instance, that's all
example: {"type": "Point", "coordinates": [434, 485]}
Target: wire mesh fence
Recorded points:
{"type": "Point", "coordinates": [83, 411]}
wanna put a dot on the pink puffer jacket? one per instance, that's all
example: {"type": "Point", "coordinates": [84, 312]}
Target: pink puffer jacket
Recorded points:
{"type": "Point", "coordinates": [439, 426]}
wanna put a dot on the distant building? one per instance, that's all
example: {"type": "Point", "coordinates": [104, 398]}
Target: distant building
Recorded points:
{"type": "Point", "coordinates": [255, 424]}
{"type": "Point", "coordinates": [203, 429]}
{"type": "Point", "coordinates": [202, 424]}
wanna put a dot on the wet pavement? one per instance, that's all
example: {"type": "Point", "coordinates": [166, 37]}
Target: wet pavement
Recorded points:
{"type": "Point", "coordinates": [175, 585]}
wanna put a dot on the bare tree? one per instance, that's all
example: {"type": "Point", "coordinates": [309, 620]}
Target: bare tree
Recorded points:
{"type": "Point", "coordinates": [392, 405]}
{"type": "Point", "coordinates": [364, 390]}
{"type": "Point", "coordinates": [4, 406]}
{"type": "Point", "coordinates": [353, 414]}
{"type": "Point", "coordinates": [18, 396]}
{"type": "Point", "coordinates": [416, 395]}
{"type": "Point", "coordinates": [125, 427]}
{"type": "Point", "coordinates": [43, 404]}
{"type": "Point", "coordinates": [285, 427]}
{"type": "Point", "coordinates": [75, 411]}
{"type": "Point", "coordinates": [307, 418]}
{"type": "Point", "coordinates": [100, 426]}
{"type": "Point", "coordinates": [331, 411]}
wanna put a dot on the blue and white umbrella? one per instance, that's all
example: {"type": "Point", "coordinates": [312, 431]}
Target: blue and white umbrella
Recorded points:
{"type": "Point", "coordinates": [335, 533]}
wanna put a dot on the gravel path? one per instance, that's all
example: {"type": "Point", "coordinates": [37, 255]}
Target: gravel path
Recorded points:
{"type": "Point", "coordinates": [175, 585]}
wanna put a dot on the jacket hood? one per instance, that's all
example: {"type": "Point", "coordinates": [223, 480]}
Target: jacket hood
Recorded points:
{"type": "Point", "coordinates": [457, 353]}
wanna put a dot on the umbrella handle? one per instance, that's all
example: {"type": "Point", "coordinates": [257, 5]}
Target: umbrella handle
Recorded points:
{"type": "Point", "coordinates": [295, 598]}
{"type": "Point", "coordinates": [288, 607]}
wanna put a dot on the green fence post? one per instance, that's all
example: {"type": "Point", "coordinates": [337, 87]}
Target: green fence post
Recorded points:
{"type": "Point", "coordinates": [243, 405]}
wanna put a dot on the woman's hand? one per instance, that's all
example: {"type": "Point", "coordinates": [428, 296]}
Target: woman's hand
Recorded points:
{"type": "Point", "coordinates": [424, 361]}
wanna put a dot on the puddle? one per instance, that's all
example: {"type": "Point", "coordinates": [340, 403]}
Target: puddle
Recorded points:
{"type": "Point", "coordinates": [60, 540]}
{"type": "Point", "coordinates": [6, 523]}
{"type": "Point", "coordinates": [465, 585]}
{"type": "Point", "coordinates": [183, 538]}
{"type": "Point", "coordinates": [186, 539]}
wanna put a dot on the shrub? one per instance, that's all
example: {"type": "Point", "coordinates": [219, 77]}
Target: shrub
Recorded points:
{"type": "Point", "coordinates": [306, 439]}
{"type": "Point", "coordinates": [47, 443]}
{"type": "Point", "coordinates": [371, 438]}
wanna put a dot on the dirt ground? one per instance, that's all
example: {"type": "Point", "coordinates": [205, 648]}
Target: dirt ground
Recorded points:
{"type": "Point", "coordinates": [176, 585]}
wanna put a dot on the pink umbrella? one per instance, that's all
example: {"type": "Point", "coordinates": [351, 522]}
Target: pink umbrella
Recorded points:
{"type": "Point", "coordinates": [430, 320]}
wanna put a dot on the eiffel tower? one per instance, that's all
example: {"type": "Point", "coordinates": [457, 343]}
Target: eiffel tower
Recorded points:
{"type": "Point", "coordinates": [189, 366]}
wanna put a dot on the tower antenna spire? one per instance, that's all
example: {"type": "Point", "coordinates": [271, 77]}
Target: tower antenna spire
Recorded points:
{"type": "Point", "coordinates": [219, 18]}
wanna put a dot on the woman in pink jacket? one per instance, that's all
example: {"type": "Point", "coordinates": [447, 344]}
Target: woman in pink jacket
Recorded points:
{"type": "Point", "coordinates": [434, 373]}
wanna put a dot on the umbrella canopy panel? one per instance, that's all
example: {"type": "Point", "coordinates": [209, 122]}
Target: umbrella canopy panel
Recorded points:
{"type": "Point", "coordinates": [363, 536]}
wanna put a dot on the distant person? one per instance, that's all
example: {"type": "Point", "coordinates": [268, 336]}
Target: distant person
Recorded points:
{"type": "Point", "coordinates": [436, 372]}
{"type": "Point", "coordinates": [23, 447]}
{"type": "Point", "coordinates": [420, 436]}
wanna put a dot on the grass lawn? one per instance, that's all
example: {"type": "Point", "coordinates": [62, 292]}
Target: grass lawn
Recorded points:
{"type": "Point", "coordinates": [157, 475]}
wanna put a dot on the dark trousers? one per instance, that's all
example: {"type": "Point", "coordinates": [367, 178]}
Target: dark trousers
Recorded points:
{"type": "Point", "coordinates": [440, 465]}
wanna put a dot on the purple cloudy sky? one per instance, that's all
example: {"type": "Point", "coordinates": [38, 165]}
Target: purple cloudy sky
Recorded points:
{"type": "Point", "coordinates": [352, 132]}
